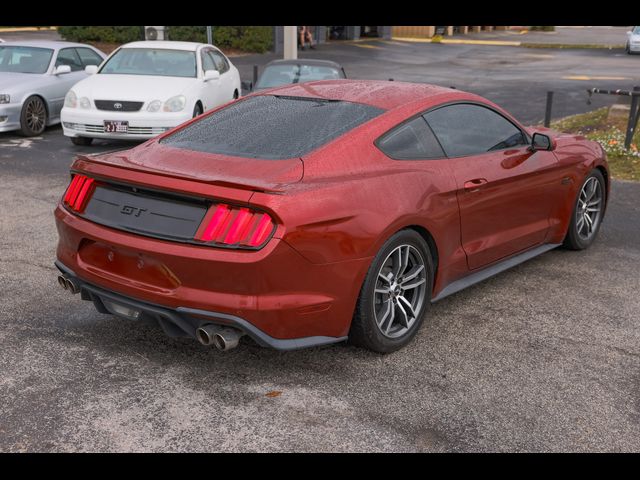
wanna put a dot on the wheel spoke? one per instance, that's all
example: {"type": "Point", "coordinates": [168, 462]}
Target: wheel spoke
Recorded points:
{"type": "Point", "coordinates": [404, 318]}
{"type": "Point", "coordinates": [385, 279]}
{"type": "Point", "coordinates": [407, 303]}
{"type": "Point", "coordinates": [397, 262]}
{"type": "Point", "coordinates": [391, 318]}
{"type": "Point", "coordinates": [386, 314]}
{"type": "Point", "coordinates": [384, 291]}
{"type": "Point", "coordinates": [413, 285]}
{"type": "Point", "coordinates": [412, 274]}
{"type": "Point", "coordinates": [580, 223]}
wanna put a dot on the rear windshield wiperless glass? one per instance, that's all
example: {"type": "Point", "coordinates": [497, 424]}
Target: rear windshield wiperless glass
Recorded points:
{"type": "Point", "coordinates": [272, 127]}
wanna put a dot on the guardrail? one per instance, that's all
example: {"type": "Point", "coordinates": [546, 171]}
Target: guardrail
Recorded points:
{"type": "Point", "coordinates": [634, 111]}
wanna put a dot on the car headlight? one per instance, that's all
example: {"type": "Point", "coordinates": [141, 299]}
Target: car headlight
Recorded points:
{"type": "Point", "coordinates": [154, 106]}
{"type": "Point", "coordinates": [5, 98]}
{"type": "Point", "coordinates": [70, 99]}
{"type": "Point", "coordinates": [175, 104]}
{"type": "Point", "coordinates": [85, 103]}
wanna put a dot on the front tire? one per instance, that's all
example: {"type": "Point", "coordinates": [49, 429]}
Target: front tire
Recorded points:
{"type": "Point", "coordinates": [81, 141]}
{"type": "Point", "coordinates": [588, 212]}
{"type": "Point", "coordinates": [33, 117]}
{"type": "Point", "coordinates": [395, 295]}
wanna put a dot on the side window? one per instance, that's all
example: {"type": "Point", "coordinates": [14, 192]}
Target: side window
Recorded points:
{"type": "Point", "coordinates": [220, 61]}
{"type": "Point", "coordinates": [467, 129]}
{"type": "Point", "coordinates": [88, 56]}
{"type": "Point", "coordinates": [413, 140]}
{"type": "Point", "coordinates": [68, 56]}
{"type": "Point", "coordinates": [207, 61]}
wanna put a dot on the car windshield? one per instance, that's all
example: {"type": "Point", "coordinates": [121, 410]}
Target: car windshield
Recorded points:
{"type": "Point", "coordinates": [636, 31]}
{"type": "Point", "coordinates": [24, 59]}
{"type": "Point", "coordinates": [276, 75]}
{"type": "Point", "coordinates": [151, 61]}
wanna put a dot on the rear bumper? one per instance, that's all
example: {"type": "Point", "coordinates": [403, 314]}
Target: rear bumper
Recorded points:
{"type": "Point", "coordinates": [274, 294]}
{"type": "Point", "coordinates": [184, 321]}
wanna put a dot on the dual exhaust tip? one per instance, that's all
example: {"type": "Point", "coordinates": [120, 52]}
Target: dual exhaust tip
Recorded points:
{"type": "Point", "coordinates": [223, 338]}
{"type": "Point", "coordinates": [68, 284]}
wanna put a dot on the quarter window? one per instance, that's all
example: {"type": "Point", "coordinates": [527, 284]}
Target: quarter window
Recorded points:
{"type": "Point", "coordinates": [413, 140]}
{"type": "Point", "coordinates": [467, 129]}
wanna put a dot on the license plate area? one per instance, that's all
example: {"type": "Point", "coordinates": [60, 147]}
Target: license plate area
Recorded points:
{"type": "Point", "coordinates": [116, 126]}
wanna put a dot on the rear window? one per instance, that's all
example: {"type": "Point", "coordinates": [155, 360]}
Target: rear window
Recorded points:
{"type": "Point", "coordinates": [272, 127]}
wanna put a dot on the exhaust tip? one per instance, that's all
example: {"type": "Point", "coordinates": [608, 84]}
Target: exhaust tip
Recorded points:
{"type": "Point", "coordinates": [62, 282]}
{"type": "Point", "coordinates": [203, 336]}
{"type": "Point", "coordinates": [72, 286]}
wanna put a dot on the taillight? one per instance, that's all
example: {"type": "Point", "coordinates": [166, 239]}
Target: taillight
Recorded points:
{"type": "Point", "coordinates": [78, 192]}
{"type": "Point", "coordinates": [235, 226]}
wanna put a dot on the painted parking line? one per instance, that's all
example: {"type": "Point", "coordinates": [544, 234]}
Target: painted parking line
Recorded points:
{"type": "Point", "coordinates": [392, 42]}
{"type": "Point", "coordinates": [586, 78]}
{"type": "Point", "coordinates": [366, 45]}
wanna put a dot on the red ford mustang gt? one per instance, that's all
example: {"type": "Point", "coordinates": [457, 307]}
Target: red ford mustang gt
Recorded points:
{"type": "Point", "coordinates": [321, 212]}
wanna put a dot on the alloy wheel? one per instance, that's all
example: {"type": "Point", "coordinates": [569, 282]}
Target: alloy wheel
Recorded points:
{"type": "Point", "coordinates": [589, 208]}
{"type": "Point", "coordinates": [35, 115]}
{"type": "Point", "coordinates": [400, 291]}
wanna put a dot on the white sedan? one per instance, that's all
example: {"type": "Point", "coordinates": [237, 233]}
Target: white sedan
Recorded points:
{"type": "Point", "coordinates": [146, 88]}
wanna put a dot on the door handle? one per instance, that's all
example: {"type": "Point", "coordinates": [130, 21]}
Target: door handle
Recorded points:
{"type": "Point", "coordinates": [475, 184]}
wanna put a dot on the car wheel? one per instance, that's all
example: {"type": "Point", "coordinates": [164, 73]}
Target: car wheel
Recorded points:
{"type": "Point", "coordinates": [587, 212]}
{"type": "Point", "coordinates": [81, 141]}
{"type": "Point", "coordinates": [33, 117]}
{"type": "Point", "coordinates": [197, 110]}
{"type": "Point", "coordinates": [395, 296]}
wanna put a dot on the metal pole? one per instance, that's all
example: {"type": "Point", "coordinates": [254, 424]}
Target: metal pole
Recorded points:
{"type": "Point", "coordinates": [547, 113]}
{"type": "Point", "coordinates": [255, 75]}
{"type": "Point", "coordinates": [209, 36]}
{"type": "Point", "coordinates": [290, 42]}
{"type": "Point", "coordinates": [633, 118]}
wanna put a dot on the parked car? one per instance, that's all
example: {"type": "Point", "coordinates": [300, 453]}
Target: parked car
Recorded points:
{"type": "Point", "coordinates": [633, 40]}
{"type": "Point", "coordinates": [316, 213]}
{"type": "Point", "coordinates": [146, 88]}
{"type": "Point", "coordinates": [35, 76]}
{"type": "Point", "coordinates": [283, 72]}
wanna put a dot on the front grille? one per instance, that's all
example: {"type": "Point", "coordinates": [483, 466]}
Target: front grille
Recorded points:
{"type": "Point", "coordinates": [118, 105]}
{"type": "Point", "coordinates": [85, 128]}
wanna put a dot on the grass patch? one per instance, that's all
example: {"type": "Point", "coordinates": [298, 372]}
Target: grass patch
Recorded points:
{"type": "Point", "coordinates": [610, 133]}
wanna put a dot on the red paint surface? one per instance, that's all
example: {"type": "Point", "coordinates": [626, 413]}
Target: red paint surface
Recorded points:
{"type": "Point", "coordinates": [333, 209]}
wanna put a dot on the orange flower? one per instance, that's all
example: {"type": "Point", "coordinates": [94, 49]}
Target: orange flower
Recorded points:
{"type": "Point", "coordinates": [613, 142]}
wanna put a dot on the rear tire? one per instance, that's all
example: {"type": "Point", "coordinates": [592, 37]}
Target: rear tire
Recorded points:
{"type": "Point", "coordinates": [81, 141]}
{"type": "Point", "coordinates": [588, 212]}
{"type": "Point", "coordinates": [33, 117]}
{"type": "Point", "coordinates": [197, 110]}
{"type": "Point", "coordinates": [395, 295]}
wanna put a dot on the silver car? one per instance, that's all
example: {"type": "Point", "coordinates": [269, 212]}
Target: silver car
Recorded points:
{"type": "Point", "coordinates": [35, 76]}
{"type": "Point", "coordinates": [633, 40]}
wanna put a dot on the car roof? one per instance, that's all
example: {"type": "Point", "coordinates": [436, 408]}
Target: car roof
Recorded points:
{"type": "Point", "coordinates": [378, 93]}
{"type": "Point", "coordinates": [165, 44]}
{"type": "Point", "coordinates": [306, 61]}
{"type": "Point", "coordinates": [54, 44]}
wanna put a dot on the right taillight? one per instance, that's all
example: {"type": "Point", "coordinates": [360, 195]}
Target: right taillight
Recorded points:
{"type": "Point", "coordinates": [235, 226]}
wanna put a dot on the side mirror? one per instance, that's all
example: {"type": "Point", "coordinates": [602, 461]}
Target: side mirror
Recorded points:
{"type": "Point", "coordinates": [91, 69]}
{"type": "Point", "coordinates": [541, 142]}
{"type": "Point", "coordinates": [246, 85]}
{"type": "Point", "coordinates": [62, 69]}
{"type": "Point", "coordinates": [210, 75]}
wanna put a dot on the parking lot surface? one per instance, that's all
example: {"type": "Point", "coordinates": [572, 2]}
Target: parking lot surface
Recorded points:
{"type": "Point", "coordinates": [544, 357]}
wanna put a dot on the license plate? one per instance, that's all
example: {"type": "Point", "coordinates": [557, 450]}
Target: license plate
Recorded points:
{"type": "Point", "coordinates": [116, 126]}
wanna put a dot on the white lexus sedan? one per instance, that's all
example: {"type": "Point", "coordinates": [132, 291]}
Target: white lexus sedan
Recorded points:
{"type": "Point", "coordinates": [633, 40]}
{"type": "Point", "coordinates": [146, 88]}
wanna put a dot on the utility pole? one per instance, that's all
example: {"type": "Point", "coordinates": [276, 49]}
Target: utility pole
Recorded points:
{"type": "Point", "coordinates": [209, 35]}
{"type": "Point", "coordinates": [290, 43]}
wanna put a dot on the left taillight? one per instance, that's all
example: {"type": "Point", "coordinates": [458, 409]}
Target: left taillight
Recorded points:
{"type": "Point", "coordinates": [78, 192]}
{"type": "Point", "coordinates": [239, 227]}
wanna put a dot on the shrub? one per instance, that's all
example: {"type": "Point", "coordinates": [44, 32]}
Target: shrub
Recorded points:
{"type": "Point", "coordinates": [101, 34]}
{"type": "Point", "coordinates": [249, 39]}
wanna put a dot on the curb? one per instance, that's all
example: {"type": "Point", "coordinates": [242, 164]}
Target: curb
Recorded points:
{"type": "Point", "coordinates": [26, 29]}
{"type": "Point", "coordinates": [458, 41]}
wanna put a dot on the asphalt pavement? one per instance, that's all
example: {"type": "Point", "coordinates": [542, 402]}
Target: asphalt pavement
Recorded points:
{"type": "Point", "coordinates": [544, 357]}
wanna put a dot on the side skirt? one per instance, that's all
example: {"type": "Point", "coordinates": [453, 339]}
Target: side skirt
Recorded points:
{"type": "Point", "coordinates": [492, 270]}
